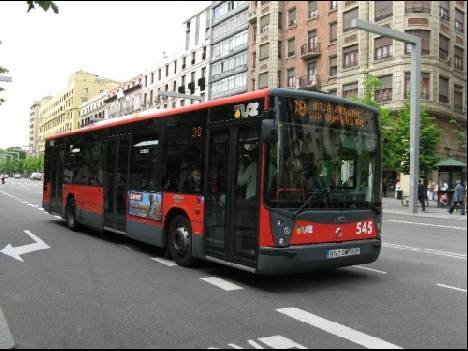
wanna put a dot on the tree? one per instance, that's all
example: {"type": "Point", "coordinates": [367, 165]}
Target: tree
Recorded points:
{"type": "Point", "coordinates": [429, 134]}
{"type": "Point", "coordinates": [387, 123]}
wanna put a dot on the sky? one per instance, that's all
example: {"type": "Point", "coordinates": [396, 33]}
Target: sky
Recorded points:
{"type": "Point", "coordinates": [116, 40]}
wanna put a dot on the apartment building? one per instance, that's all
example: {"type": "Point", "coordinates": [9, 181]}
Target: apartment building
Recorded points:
{"type": "Point", "coordinates": [124, 99]}
{"type": "Point", "coordinates": [93, 110]}
{"type": "Point", "coordinates": [61, 113]}
{"type": "Point", "coordinates": [34, 125]}
{"type": "Point", "coordinates": [229, 48]}
{"type": "Point", "coordinates": [185, 73]}
{"type": "Point", "coordinates": [310, 45]}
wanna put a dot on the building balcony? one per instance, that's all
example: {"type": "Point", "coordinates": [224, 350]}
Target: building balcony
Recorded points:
{"type": "Point", "coordinates": [310, 50]}
{"type": "Point", "coordinates": [311, 81]}
{"type": "Point", "coordinates": [252, 17]}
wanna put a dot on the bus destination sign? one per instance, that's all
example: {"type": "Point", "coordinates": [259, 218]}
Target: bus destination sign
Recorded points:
{"type": "Point", "coordinates": [321, 111]}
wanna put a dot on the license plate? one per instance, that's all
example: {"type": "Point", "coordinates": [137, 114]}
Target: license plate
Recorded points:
{"type": "Point", "coordinates": [343, 252]}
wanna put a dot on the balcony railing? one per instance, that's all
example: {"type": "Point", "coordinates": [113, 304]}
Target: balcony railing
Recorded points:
{"type": "Point", "coordinates": [418, 9]}
{"type": "Point", "coordinates": [310, 50]}
{"type": "Point", "coordinates": [443, 98]}
{"type": "Point", "coordinates": [310, 81]}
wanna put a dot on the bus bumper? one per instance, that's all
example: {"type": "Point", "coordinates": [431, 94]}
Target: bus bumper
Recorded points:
{"type": "Point", "coordinates": [306, 258]}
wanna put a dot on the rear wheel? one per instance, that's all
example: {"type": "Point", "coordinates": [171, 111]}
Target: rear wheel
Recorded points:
{"type": "Point", "coordinates": [180, 241]}
{"type": "Point", "coordinates": [70, 215]}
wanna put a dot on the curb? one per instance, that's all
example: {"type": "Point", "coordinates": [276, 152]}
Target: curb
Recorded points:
{"type": "Point", "coordinates": [454, 217]}
{"type": "Point", "coordinates": [6, 340]}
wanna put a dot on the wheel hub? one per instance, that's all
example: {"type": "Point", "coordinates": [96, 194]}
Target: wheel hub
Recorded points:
{"type": "Point", "coordinates": [181, 240]}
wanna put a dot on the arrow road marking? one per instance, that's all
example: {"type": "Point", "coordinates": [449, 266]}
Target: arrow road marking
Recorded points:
{"type": "Point", "coordinates": [16, 252]}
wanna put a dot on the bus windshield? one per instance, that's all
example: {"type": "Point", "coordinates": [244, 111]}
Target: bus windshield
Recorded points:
{"type": "Point", "coordinates": [327, 156]}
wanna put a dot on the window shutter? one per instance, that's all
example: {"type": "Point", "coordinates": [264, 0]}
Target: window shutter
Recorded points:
{"type": "Point", "coordinates": [387, 82]}
{"type": "Point", "coordinates": [383, 41]}
{"type": "Point", "coordinates": [443, 42]}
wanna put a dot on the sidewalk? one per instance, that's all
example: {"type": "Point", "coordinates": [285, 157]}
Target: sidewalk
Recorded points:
{"type": "Point", "coordinates": [394, 206]}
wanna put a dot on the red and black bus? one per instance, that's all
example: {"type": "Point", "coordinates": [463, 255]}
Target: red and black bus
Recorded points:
{"type": "Point", "coordinates": [273, 181]}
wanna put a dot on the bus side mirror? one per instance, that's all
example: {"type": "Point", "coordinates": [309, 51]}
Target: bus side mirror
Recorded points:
{"type": "Point", "coordinates": [269, 131]}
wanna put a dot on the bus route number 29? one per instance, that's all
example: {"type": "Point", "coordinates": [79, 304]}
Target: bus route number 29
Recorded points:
{"type": "Point", "coordinates": [365, 228]}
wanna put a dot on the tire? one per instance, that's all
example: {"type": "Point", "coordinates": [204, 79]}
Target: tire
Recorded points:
{"type": "Point", "coordinates": [180, 241]}
{"type": "Point", "coordinates": [70, 215]}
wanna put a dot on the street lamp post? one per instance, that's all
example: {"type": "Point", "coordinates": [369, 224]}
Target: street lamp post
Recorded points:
{"type": "Point", "coordinates": [415, 43]}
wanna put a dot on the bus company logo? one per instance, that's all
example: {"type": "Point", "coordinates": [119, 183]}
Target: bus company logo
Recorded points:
{"type": "Point", "coordinates": [178, 198]}
{"type": "Point", "coordinates": [339, 232]}
{"type": "Point", "coordinates": [308, 229]}
{"type": "Point", "coordinates": [242, 111]}
{"type": "Point", "coordinates": [136, 196]}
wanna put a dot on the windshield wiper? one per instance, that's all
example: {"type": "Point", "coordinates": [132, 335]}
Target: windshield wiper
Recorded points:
{"type": "Point", "coordinates": [310, 195]}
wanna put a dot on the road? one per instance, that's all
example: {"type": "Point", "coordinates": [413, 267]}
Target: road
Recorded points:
{"type": "Point", "coordinates": [91, 290]}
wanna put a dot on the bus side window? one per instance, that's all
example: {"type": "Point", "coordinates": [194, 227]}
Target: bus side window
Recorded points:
{"type": "Point", "coordinates": [144, 164]}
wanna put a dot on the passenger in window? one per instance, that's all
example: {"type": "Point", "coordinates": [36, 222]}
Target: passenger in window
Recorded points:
{"type": "Point", "coordinates": [193, 182]}
{"type": "Point", "coordinates": [248, 171]}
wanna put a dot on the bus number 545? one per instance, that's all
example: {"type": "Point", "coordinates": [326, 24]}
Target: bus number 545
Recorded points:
{"type": "Point", "coordinates": [364, 228]}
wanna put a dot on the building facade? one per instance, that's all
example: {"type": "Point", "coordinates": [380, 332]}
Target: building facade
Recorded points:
{"type": "Point", "coordinates": [310, 45]}
{"type": "Point", "coordinates": [229, 48]}
{"type": "Point", "coordinates": [61, 113]}
{"type": "Point", "coordinates": [124, 99]}
{"type": "Point", "coordinates": [33, 130]}
{"type": "Point", "coordinates": [185, 73]}
{"type": "Point", "coordinates": [92, 111]}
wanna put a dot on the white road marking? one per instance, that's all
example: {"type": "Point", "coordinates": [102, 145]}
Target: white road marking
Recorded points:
{"type": "Point", "coordinates": [428, 251]}
{"type": "Point", "coordinates": [451, 287]}
{"type": "Point", "coordinates": [6, 339]}
{"type": "Point", "coordinates": [16, 252]}
{"type": "Point", "coordinates": [337, 329]}
{"type": "Point", "coordinates": [164, 261]}
{"type": "Point", "coordinates": [126, 247]}
{"type": "Point", "coordinates": [255, 345]}
{"type": "Point", "coordinates": [426, 224]}
{"type": "Point", "coordinates": [221, 283]}
{"type": "Point", "coordinates": [58, 217]}
{"type": "Point", "coordinates": [280, 342]}
{"type": "Point", "coordinates": [234, 346]}
{"type": "Point", "coordinates": [369, 269]}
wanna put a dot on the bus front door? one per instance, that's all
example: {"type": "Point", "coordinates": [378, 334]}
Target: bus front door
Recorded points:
{"type": "Point", "coordinates": [115, 185]}
{"type": "Point", "coordinates": [231, 195]}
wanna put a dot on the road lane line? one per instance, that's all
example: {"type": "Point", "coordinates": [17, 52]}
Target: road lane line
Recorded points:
{"type": "Point", "coordinates": [426, 224]}
{"type": "Point", "coordinates": [164, 261]}
{"type": "Point", "coordinates": [428, 251]}
{"type": "Point", "coordinates": [234, 346]}
{"type": "Point", "coordinates": [255, 345]}
{"type": "Point", "coordinates": [221, 283]}
{"type": "Point", "coordinates": [337, 329]}
{"type": "Point", "coordinates": [58, 217]}
{"type": "Point", "coordinates": [451, 287]}
{"type": "Point", "coordinates": [6, 339]}
{"type": "Point", "coordinates": [369, 269]}
{"type": "Point", "coordinates": [281, 343]}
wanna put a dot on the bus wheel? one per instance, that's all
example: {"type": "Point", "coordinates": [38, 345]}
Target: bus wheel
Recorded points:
{"type": "Point", "coordinates": [70, 215]}
{"type": "Point", "coordinates": [180, 241]}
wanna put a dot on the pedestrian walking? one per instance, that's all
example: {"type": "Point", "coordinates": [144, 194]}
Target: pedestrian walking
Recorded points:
{"type": "Point", "coordinates": [430, 190]}
{"type": "Point", "coordinates": [397, 190]}
{"type": "Point", "coordinates": [422, 192]}
{"type": "Point", "coordinates": [458, 198]}
{"type": "Point", "coordinates": [3, 178]}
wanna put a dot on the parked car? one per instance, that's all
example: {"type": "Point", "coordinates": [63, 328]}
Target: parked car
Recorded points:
{"type": "Point", "coordinates": [17, 176]}
{"type": "Point", "coordinates": [36, 176]}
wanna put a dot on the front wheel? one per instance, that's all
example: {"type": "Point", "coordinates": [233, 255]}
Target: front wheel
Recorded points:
{"type": "Point", "coordinates": [180, 241]}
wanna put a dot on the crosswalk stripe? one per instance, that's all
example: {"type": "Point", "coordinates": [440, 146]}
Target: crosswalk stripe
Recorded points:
{"type": "Point", "coordinates": [337, 329]}
{"type": "Point", "coordinates": [221, 283]}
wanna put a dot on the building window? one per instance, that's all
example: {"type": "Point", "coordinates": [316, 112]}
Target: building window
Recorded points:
{"type": "Point", "coordinates": [312, 7]}
{"type": "Point", "coordinates": [443, 47]}
{"type": "Point", "coordinates": [292, 17]}
{"type": "Point", "coordinates": [204, 53]}
{"type": "Point", "coordinates": [193, 58]}
{"type": "Point", "coordinates": [264, 23]}
{"type": "Point", "coordinates": [167, 70]}
{"type": "Point", "coordinates": [291, 47]}
{"type": "Point", "coordinates": [383, 9]}
{"type": "Point", "coordinates": [333, 66]}
{"type": "Point", "coordinates": [459, 21]}
{"type": "Point", "coordinates": [279, 79]}
{"type": "Point", "coordinates": [159, 74]}
{"type": "Point", "coordinates": [425, 36]}
{"type": "Point", "coordinates": [425, 87]}
{"type": "Point", "coordinates": [280, 48]}
{"type": "Point", "coordinates": [348, 17]}
{"type": "Point", "coordinates": [264, 51]}
{"type": "Point", "coordinates": [333, 27]}
{"type": "Point", "coordinates": [184, 62]}
{"type": "Point", "coordinates": [333, 5]}
{"type": "Point", "coordinates": [443, 90]}
{"type": "Point", "coordinates": [280, 20]}
{"type": "Point", "coordinates": [175, 66]}
{"type": "Point", "coordinates": [444, 10]}
{"type": "Point", "coordinates": [458, 97]}
{"type": "Point", "coordinates": [291, 78]}
{"type": "Point", "coordinates": [263, 80]}
{"type": "Point", "coordinates": [350, 90]}
{"type": "Point", "coordinates": [417, 6]}
{"type": "Point", "coordinates": [384, 92]}
{"type": "Point", "coordinates": [350, 56]}
{"type": "Point", "coordinates": [383, 48]}
{"type": "Point", "coordinates": [152, 77]}
{"type": "Point", "coordinates": [458, 59]}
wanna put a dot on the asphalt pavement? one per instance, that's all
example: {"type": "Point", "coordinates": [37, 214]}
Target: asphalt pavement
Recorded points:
{"type": "Point", "coordinates": [91, 290]}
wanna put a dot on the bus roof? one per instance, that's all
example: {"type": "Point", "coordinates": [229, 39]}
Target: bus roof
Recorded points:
{"type": "Point", "coordinates": [151, 114]}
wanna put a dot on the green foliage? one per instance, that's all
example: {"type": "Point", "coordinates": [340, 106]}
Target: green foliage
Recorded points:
{"type": "Point", "coordinates": [45, 5]}
{"type": "Point", "coordinates": [14, 160]}
{"type": "Point", "coordinates": [429, 136]}
{"type": "Point", "coordinates": [387, 123]}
